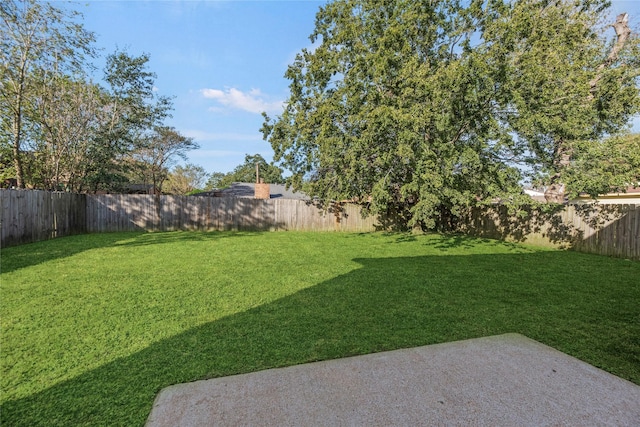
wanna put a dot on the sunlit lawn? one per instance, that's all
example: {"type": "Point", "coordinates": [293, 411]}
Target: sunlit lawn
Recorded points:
{"type": "Point", "coordinates": [94, 326]}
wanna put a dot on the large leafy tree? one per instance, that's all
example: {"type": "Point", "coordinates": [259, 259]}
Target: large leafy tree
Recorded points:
{"type": "Point", "coordinates": [35, 39]}
{"type": "Point", "coordinates": [60, 128]}
{"type": "Point", "coordinates": [426, 108]}
{"type": "Point", "coordinates": [83, 136]}
{"type": "Point", "coordinates": [68, 114]}
{"type": "Point", "coordinates": [133, 121]}
{"type": "Point", "coordinates": [395, 108]}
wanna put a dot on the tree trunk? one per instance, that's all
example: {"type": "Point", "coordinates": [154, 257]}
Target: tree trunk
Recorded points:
{"type": "Point", "coordinates": [17, 123]}
{"type": "Point", "coordinates": [555, 193]}
{"type": "Point", "coordinates": [17, 153]}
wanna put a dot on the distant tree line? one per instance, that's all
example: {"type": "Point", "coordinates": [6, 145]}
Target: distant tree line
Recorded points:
{"type": "Point", "coordinates": [246, 172]}
{"type": "Point", "coordinates": [59, 129]}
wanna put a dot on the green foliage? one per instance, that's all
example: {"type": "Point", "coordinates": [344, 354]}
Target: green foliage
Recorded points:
{"type": "Point", "coordinates": [134, 128]}
{"type": "Point", "coordinates": [214, 181]}
{"type": "Point", "coordinates": [127, 314]}
{"type": "Point", "coordinates": [610, 165]}
{"type": "Point", "coordinates": [246, 172]}
{"type": "Point", "coordinates": [7, 171]}
{"type": "Point", "coordinates": [567, 84]}
{"type": "Point", "coordinates": [64, 130]}
{"type": "Point", "coordinates": [157, 152]}
{"type": "Point", "coordinates": [59, 128]}
{"type": "Point", "coordinates": [35, 39]}
{"type": "Point", "coordinates": [393, 108]}
{"type": "Point", "coordinates": [412, 107]}
{"type": "Point", "coordinates": [186, 179]}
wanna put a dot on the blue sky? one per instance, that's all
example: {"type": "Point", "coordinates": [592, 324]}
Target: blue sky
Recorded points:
{"type": "Point", "coordinates": [222, 61]}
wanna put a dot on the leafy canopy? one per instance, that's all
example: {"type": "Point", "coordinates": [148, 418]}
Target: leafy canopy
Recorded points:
{"type": "Point", "coordinates": [187, 179]}
{"type": "Point", "coordinates": [157, 152]}
{"type": "Point", "coordinates": [566, 87]}
{"type": "Point", "coordinates": [58, 128]}
{"type": "Point", "coordinates": [423, 109]}
{"type": "Point", "coordinates": [35, 38]}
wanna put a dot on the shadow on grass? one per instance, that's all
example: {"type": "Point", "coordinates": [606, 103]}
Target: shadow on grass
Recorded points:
{"type": "Point", "coordinates": [31, 254]}
{"type": "Point", "coordinates": [446, 242]}
{"type": "Point", "coordinates": [583, 305]}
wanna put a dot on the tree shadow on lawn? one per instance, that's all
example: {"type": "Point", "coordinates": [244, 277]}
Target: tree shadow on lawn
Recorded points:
{"type": "Point", "coordinates": [446, 241]}
{"type": "Point", "coordinates": [31, 254]}
{"type": "Point", "coordinates": [455, 241]}
{"type": "Point", "coordinates": [389, 303]}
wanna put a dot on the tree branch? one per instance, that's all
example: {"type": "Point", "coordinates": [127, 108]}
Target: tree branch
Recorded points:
{"type": "Point", "coordinates": [621, 27]}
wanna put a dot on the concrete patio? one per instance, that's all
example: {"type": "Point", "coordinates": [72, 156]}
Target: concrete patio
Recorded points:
{"type": "Point", "coordinates": [505, 380]}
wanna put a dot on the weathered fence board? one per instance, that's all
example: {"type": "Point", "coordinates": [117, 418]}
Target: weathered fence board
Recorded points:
{"type": "Point", "coordinates": [30, 216]}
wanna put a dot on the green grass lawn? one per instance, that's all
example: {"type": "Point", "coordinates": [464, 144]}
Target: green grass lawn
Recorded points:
{"type": "Point", "coordinates": [94, 326]}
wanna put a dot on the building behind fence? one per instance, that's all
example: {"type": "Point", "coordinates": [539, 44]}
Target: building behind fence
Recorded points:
{"type": "Point", "coordinates": [29, 216]}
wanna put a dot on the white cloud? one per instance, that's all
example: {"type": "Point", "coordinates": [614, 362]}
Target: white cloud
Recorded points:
{"type": "Point", "coordinates": [253, 101]}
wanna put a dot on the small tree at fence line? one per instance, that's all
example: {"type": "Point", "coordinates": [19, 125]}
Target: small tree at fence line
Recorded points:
{"type": "Point", "coordinates": [423, 109]}
{"type": "Point", "coordinates": [186, 179]}
{"type": "Point", "coordinates": [158, 152]}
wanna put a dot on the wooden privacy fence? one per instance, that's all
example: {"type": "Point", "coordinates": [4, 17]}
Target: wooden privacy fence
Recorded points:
{"type": "Point", "coordinates": [612, 230]}
{"type": "Point", "coordinates": [31, 216]}
{"type": "Point", "coordinates": [119, 212]}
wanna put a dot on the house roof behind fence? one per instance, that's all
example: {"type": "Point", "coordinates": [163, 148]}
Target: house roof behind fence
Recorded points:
{"type": "Point", "coordinates": [246, 189]}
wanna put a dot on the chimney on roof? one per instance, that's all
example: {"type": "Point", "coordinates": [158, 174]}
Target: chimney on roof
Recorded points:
{"type": "Point", "coordinates": [262, 190]}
